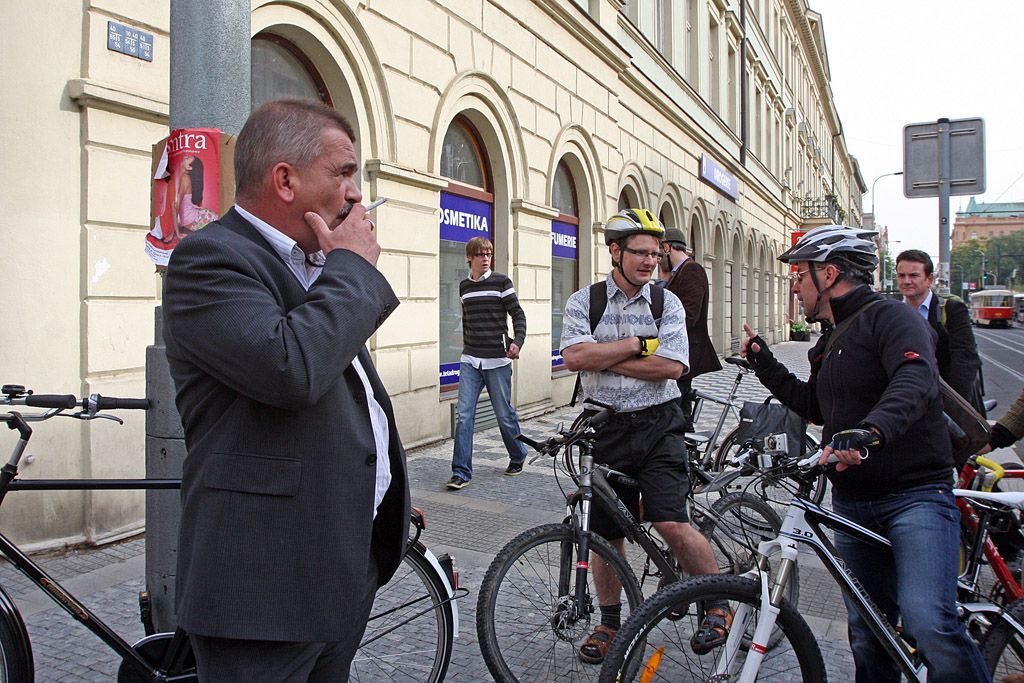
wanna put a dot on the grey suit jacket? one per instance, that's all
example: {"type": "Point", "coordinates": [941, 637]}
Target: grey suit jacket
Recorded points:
{"type": "Point", "coordinates": [277, 524]}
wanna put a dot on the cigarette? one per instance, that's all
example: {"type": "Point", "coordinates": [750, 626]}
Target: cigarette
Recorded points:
{"type": "Point", "coordinates": [375, 204]}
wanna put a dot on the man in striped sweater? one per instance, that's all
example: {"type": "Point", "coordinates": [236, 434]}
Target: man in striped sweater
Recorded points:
{"type": "Point", "coordinates": [487, 355]}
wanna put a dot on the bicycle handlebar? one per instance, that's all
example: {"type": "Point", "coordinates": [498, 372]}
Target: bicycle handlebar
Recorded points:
{"type": "Point", "coordinates": [551, 445]}
{"type": "Point", "coordinates": [51, 401]}
{"type": "Point", "coordinates": [114, 403]}
{"type": "Point", "coordinates": [15, 395]}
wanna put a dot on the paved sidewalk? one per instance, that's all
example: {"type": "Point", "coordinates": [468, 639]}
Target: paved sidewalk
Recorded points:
{"type": "Point", "coordinates": [472, 525]}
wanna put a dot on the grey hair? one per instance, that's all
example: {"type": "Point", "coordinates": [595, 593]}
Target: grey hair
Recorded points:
{"type": "Point", "coordinates": [288, 130]}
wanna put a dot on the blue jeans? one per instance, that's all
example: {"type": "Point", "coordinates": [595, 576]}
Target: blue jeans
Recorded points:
{"type": "Point", "coordinates": [499, 387]}
{"type": "Point", "coordinates": [915, 579]}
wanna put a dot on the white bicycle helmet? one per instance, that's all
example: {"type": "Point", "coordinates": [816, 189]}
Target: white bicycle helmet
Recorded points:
{"type": "Point", "coordinates": [855, 246]}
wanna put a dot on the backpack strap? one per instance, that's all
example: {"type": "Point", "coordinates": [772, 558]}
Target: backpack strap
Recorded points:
{"type": "Point", "coordinates": [657, 303]}
{"type": "Point", "coordinates": [598, 302]}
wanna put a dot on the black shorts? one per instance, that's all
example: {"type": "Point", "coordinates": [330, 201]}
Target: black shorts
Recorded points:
{"type": "Point", "coordinates": [647, 445]}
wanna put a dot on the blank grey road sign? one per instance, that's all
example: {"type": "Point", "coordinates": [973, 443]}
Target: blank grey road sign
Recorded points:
{"type": "Point", "coordinates": [921, 162]}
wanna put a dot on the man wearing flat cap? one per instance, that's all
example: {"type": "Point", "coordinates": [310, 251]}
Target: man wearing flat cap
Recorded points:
{"type": "Point", "coordinates": [688, 281]}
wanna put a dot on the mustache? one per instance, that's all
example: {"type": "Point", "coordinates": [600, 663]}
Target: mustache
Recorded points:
{"type": "Point", "coordinates": [345, 210]}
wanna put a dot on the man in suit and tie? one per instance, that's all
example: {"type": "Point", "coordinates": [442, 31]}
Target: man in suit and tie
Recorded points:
{"type": "Point", "coordinates": [955, 349]}
{"type": "Point", "coordinates": [688, 281]}
{"type": "Point", "coordinates": [295, 502]}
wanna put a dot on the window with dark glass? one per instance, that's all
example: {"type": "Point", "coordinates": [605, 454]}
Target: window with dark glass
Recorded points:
{"type": "Point", "coordinates": [280, 69]}
{"type": "Point", "coordinates": [564, 253]}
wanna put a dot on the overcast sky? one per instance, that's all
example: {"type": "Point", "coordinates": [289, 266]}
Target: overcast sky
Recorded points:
{"type": "Point", "coordinates": [895, 62]}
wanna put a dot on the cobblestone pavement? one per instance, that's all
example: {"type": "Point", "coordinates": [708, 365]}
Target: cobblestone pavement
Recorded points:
{"type": "Point", "coordinates": [471, 525]}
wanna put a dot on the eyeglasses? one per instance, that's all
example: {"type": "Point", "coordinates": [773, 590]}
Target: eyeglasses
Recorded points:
{"type": "Point", "coordinates": [799, 275]}
{"type": "Point", "coordinates": [488, 254]}
{"type": "Point", "coordinates": [643, 254]}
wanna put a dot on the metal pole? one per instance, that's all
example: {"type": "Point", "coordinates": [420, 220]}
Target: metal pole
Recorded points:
{"type": "Point", "coordinates": [945, 171]}
{"type": "Point", "coordinates": [210, 72]}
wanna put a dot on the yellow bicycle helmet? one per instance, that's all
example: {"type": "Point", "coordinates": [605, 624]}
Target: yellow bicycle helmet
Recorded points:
{"type": "Point", "coordinates": [632, 222]}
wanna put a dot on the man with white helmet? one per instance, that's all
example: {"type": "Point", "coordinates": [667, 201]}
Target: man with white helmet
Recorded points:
{"type": "Point", "coordinates": [874, 388]}
{"type": "Point", "coordinates": [629, 360]}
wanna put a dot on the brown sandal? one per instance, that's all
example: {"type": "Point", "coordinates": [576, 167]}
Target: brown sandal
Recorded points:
{"type": "Point", "coordinates": [595, 647]}
{"type": "Point", "coordinates": [713, 632]}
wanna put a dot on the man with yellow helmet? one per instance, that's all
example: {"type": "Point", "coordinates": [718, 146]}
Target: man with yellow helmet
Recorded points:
{"type": "Point", "coordinates": [630, 360]}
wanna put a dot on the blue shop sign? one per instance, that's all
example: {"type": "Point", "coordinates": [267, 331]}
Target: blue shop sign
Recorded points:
{"type": "Point", "coordinates": [715, 175]}
{"type": "Point", "coordinates": [449, 373]}
{"type": "Point", "coordinates": [556, 358]}
{"type": "Point", "coordinates": [563, 240]}
{"type": "Point", "coordinates": [463, 218]}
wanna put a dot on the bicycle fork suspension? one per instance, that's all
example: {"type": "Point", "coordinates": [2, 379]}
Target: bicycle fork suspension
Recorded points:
{"type": "Point", "coordinates": [583, 554]}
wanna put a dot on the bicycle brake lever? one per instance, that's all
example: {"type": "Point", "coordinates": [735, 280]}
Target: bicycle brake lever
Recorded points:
{"type": "Point", "coordinates": [84, 415]}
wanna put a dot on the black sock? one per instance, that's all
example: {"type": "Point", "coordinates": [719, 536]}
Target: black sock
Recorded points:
{"type": "Point", "coordinates": [611, 615]}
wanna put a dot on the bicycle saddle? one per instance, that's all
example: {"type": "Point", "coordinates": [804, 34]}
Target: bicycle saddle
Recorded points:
{"type": "Point", "coordinates": [1008, 498]}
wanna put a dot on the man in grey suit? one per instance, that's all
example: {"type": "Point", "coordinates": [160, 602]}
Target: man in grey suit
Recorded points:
{"type": "Point", "coordinates": [295, 502]}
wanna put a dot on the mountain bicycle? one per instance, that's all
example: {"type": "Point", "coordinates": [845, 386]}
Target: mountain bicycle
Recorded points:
{"type": "Point", "coordinates": [655, 642]}
{"type": "Point", "coordinates": [409, 636]}
{"type": "Point", "coordinates": [538, 600]}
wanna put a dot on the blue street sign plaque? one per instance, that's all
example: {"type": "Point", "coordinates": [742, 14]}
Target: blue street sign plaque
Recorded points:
{"type": "Point", "coordinates": [129, 41]}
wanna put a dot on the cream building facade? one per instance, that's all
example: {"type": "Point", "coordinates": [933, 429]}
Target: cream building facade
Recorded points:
{"type": "Point", "coordinates": [530, 121]}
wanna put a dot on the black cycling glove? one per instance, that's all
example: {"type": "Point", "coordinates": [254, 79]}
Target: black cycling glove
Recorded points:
{"type": "Point", "coordinates": [762, 359]}
{"type": "Point", "coordinates": [863, 440]}
{"type": "Point", "coordinates": [1001, 437]}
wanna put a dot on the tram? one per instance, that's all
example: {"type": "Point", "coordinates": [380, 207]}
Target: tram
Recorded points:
{"type": "Point", "coordinates": [992, 308]}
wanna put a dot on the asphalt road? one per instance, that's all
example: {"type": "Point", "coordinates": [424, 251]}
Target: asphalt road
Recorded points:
{"type": "Point", "coordinates": [1002, 358]}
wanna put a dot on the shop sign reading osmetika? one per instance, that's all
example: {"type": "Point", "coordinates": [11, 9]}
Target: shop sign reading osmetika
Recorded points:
{"type": "Point", "coordinates": [463, 218]}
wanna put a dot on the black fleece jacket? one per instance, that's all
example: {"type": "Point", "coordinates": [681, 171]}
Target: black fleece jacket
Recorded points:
{"type": "Point", "coordinates": [880, 372]}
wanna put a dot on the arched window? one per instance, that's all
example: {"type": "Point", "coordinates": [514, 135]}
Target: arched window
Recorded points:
{"type": "Point", "coordinates": [280, 69]}
{"type": "Point", "coordinates": [564, 253]}
{"type": "Point", "coordinates": [467, 211]}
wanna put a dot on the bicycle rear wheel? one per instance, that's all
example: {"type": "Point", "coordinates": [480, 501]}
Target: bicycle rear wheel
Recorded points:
{"type": "Point", "coordinates": [527, 617]}
{"type": "Point", "coordinates": [411, 628]}
{"type": "Point", "coordinates": [655, 642]}
{"type": "Point", "coordinates": [1003, 647]}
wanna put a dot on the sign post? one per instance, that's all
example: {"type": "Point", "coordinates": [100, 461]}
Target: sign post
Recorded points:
{"type": "Point", "coordinates": [942, 159]}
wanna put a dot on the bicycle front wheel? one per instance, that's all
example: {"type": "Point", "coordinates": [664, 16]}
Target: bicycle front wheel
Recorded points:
{"type": "Point", "coordinates": [735, 526]}
{"type": "Point", "coordinates": [528, 618]}
{"type": "Point", "coordinates": [1003, 647]}
{"type": "Point", "coordinates": [654, 645]}
{"type": "Point", "coordinates": [411, 628]}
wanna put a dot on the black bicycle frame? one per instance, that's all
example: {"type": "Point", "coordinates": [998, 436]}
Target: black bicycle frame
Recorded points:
{"type": "Point", "coordinates": [593, 480]}
{"type": "Point", "coordinates": [62, 597]}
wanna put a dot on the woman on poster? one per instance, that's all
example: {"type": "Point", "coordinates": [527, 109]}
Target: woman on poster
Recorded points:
{"type": "Point", "coordinates": [189, 213]}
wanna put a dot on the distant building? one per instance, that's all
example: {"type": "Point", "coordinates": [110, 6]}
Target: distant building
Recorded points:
{"type": "Point", "coordinates": [985, 221]}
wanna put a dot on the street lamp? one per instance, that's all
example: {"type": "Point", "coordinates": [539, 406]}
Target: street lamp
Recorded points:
{"type": "Point", "coordinates": [873, 193]}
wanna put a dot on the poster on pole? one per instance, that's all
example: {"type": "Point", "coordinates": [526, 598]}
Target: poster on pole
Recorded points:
{"type": "Point", "coordinates": [186, 189]}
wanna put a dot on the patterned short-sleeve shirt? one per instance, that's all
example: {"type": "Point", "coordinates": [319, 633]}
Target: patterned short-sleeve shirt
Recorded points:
{"type": "Point", "coordinates": [627, 318]}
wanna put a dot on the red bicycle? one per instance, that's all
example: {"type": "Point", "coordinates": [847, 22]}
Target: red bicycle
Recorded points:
{"type": "Point", "coordinates": [999, 530]}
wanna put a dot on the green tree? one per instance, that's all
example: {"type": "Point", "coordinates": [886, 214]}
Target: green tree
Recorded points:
{"type": "Point", "coordinates": [1003, 260]}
